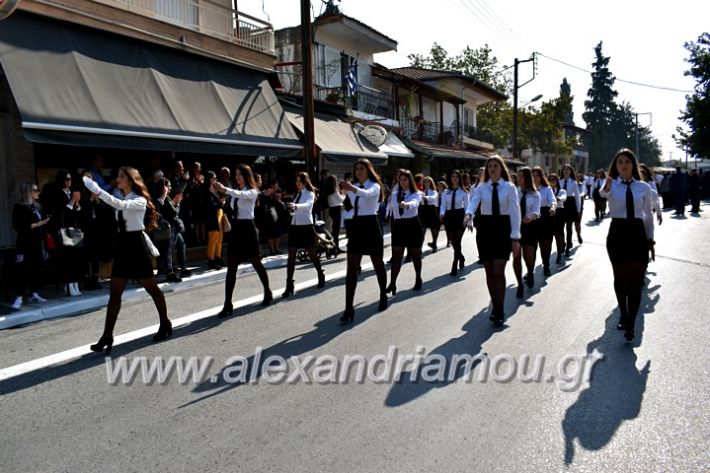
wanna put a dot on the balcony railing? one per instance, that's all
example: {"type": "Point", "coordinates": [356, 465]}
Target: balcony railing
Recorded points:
{"type": "Point", "coordinates": [207, 18]}
{"type": "Point", "coordinates": [477, 134]}
{"type": "Point", "coordinates": [429, 132]}
{"type": "Point", "coordinates": [366, 101]}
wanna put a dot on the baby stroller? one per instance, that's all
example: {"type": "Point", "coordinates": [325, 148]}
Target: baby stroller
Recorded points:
{"type": "Point", "coordinates": [324, 243]}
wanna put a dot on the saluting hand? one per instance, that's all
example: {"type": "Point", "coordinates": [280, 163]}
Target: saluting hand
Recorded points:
{"type": "Point", "coordinates": [219, 186]}
{"type": "Point", "coordinates": [607, 183]}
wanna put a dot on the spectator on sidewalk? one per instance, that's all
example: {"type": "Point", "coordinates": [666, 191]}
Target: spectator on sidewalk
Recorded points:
{"type": "Point", "coordinates": [99, 224]}
{"type": "Point", "coordinates": [30, 250]}
{"type": "Point", "coordinates": [679, 187]}
{"type": "Point", "coordinates": [96, 170]}
{"type": "Point", "coordinates": [197, 201]}
{"type": "Point", "coordinates": [704, 184]}
{"type": "Point", "coordinates": [334, 198]}
{"type": "Point", "coordinates": [213, 211]}
{"type": "Point", "coordinates": [665, 190]}
{"type": "Point", "coordinates": [269, 214]}
{"type": "Point", "coordinates": [694, 191]}
{"type": "Point", "coordinates": [167, 210]}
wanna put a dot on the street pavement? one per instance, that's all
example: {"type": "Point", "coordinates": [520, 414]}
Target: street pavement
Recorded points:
{"type": "Point", "coordinates": [644, 407]}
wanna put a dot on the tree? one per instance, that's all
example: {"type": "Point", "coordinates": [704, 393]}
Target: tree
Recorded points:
{"type": "Point", "coordinates": [566, 91]}
{"type": "Point", "coordinates": [438, 59]}
{"type": "Point", "coordinates": [697, 110]}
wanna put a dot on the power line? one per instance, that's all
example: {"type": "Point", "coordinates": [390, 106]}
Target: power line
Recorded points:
{"type": "Point", "coordinates": [641, 84]}
{"type": "Point", "coordinates": [495, 15]}
{"type": "Point", "coordinates": [482, 20]}
{"type": "Point", "coordinates": [486, 16]}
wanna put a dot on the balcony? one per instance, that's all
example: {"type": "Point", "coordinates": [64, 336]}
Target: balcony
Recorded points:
{"type": "Point", "coordinates": [475, 137]}
{"type": "Point", "coordinates": [429, 132]}
{"type": "Point", "coordinates": [367, 101]}
{"type": "Point", "coordinates": [205, 17]}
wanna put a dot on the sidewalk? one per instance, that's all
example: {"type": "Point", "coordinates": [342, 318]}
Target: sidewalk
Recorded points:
{"type": "Point", "coordinates": [64, 306]}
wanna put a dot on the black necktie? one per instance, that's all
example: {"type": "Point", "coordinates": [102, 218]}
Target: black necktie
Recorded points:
{"type": "Point", "coordinates": [440, 200]}
{"type": "Point", "coordinates": [629, 201]}
{"type": "Point", "coordinates": [523, 207]}
{"type": "Point", "coordinates": [495, 201]}
{"type": "Point", "coordinates": [453, 198]}
{"type": "Point", "coordinates": [564, 184]}
{"type": "Point", "coordinates": [400, 198]}
{"type": "Point", "coordinates": [235, 204]}
{"type": "Point", "coordinates": [298, 197]}
{"type": "Point", "coordinates": [357, 201]}
{"type": "Point", "coordinates": [121, 222]}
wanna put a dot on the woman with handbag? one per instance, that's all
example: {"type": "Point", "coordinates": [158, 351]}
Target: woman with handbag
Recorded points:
{"type": "Point", "coordinates": [28, 222]}
{"type": "Point", "coordinates": [243, 237]}
{"type": "Point", "coordinates": [135, 213]}
{"type": "Point", "coordinates": [301, 233]}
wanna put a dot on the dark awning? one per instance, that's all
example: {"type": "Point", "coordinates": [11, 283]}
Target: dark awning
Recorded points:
{"type": "Point", "coordinates": [432, 151]}
{"type": "Point", "coordinates": [79, 86]}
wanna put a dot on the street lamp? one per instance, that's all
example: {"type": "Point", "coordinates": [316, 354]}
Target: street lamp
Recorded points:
{"type": "Point", "coordinates": [534, 99]}
{"type": "Point", "coordinates": [517, 86]}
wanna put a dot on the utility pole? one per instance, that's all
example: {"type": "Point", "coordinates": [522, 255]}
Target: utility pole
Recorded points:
{"type": "Point", "coordinates": [516, 154]}
{"type": "Point", "coordinates": [309, 140]}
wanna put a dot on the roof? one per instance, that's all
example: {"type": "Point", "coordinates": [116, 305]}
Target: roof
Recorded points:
{"type": "Point", "coordinates": [382, 71]}
{"type": "Point", "coordinates": [423, 74]}
{"type": "Point", "coordinates": [332, 18]}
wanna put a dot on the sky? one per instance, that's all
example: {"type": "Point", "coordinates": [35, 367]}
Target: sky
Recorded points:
{"type": "Point", "coordinates": [643, 38]}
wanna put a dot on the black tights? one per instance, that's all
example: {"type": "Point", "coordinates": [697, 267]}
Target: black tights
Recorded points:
{"type": "Point", "coordinates": [545, 251]}
{"type": "Point", "coordinates": [495, 280]}
{"type": "Point", "coordinates": [528, 254]}
{"type": "Point", "coordinates": [397, 253]}
{"type": "Point", "coordinates": [455, 239]}
{"type": "Point", "coordinates": [351, 277]}
{"type": "Point", "coordinates": [292, 262]}
{"type": "Point", "coordinates": [434, 235]}
{"type": "Point", "coordinates": [118, 285]}
{"type": "Point", "coordinates": [628, 285]}
{"type": "Point", "coordinates": [231, 281]}
{"type": "Point", "coordinates": [560, 241]}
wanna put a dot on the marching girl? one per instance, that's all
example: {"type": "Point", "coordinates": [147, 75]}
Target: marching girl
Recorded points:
{"type": "Point", "coordinates": [429, 211]}
{"type": "Point", "coordinates": [647, 177]}
{"type": "Point", "coordinates": [599, 201]}
{"type": "Point", "coordinates": [529, 213]}
{"type": "Point", "coordinates": [546, 225]}
{"type": "Point", "coordinates": [453, 207]}
{"type": "Point", "coordinates": [630, 235]}
{"type": "Point", "coordinates": [407, 229]}
{"type": "Point", "coordinates": [132, 259]}
{"type": "Point", "coordinates": [582, 193]}
{"type": "Point", "coordinates": [559, 217]}
{"type": "Point", "coordinates": [498, 228]}
{"type": "Point", "coordinates": [243, 240]}
{"type": "Point", "coordinates": [365, 233]}
{"type": "Point", "coordinates": [301, 233]}
{"type": "Point", "coordinates": [335, 207]}
{"type": "Point", "coordinates": [573, 202]}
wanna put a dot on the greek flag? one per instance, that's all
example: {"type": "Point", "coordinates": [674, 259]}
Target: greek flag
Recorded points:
{"type": "Point", "coordinates": [351, 79]}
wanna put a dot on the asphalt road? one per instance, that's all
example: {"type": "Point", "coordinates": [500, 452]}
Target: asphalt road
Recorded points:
{"type": "Point", "coordinates": [644, 407]}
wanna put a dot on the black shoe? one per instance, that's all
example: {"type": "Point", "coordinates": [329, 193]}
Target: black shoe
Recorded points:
{"type": "Point", "coordinates": [547, 271]}
{"type": "Point", "coordinates": [432, 246]}
{"type": "Point", "coordinates": [567, 252]}
{"type": "Point", "coordinates": [520, 292]}
{"type": "Point", "coordinates": [103, 343]}
{"type": "Point", "coordinates": [220, 262]}
{"type": "Point", "coordinates": [268, 297]}
{"type": "Point", "coordinates": [392, 288]}
{"type": "Point", "coordinates": [383, 302]}
{"type": "Point", "coordinates": [579, 239]}
{"type": "Point", "coordinates": [479, 262]}
{"type": "Point", "coordinates": [417, 285]}
{"type": "Point", "coordinates": [289, 289]}
{"type": "Point", "coordinates": [559, 258]}
{"type": "Point", "coordinates": [212, 264]}
{"type": "Point", "coordinates": [164, 332]}
{"type": "Point", "coordinates": [347, 317]}
{"type": "Point", "coordinates": [530, 279]}
{"type": "Point", "coordinates": [172, 277]}
{"type": "Point", "coordinates": [321, 280]}
{"type": "Point", "coordinates": [629, 335]}
{"type": "Point", "coordinates": [499, 319]}
{"type": "Point", "coordinates": [462, 262]}
{"type": "Point", "coordinates": [454, 269]}
{"type": "Point", "coordinates": [185, 273]}
{"type": "Point", "coordinates": [226, 310]}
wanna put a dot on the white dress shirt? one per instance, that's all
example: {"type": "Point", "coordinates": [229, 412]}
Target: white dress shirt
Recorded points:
{"type": "Point", "coordinates": [430, 197]}
{"type": "Point", "coordinates": [656, 197]}
{"type": "Point", "coordinates": [547, 197]}
{"type": "Point", "coordinates": [532, 204]}
{"type": "Point", "coordinates": [460, 200]}
{"type": "Point", "coordinates": [582, 189]}
{"type": "Point", "coordinates": [560, 195]}
{"type": "Point", "coordinates": [598, 183]}
{"type": "Point", "coordinates": [244, 200]}
{"type": "Point", "coordinates": [368, 202]}
{"type": "Point", "coordinates": [303, 207]}
{"type": "Point", "coordinates": [571, 187]}
{"type": "Point", "coordinates": [643, 202]}
{"type": "Point", "coordinates": [507, 198]}
{"type": "Point", "coordinates": [336, 199]}
{"type": "Point", "coordinates": [411, 201]}
{"type": "Point", "coordinates": [133, 207]}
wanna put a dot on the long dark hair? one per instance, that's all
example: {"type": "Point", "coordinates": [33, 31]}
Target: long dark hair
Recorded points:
{"type": "Point", "coordinates": [647, 172]}
{"type": "Point", "coordinates": [556, 178]}
{"type": "Point", "coordinates": [541, 174]}
{"type": "Point", "coordinates": [572, 174]}
{"type": "Point", "coordinates": [451, 175]}
{"type": "Point", "coordinates": [306, 180]}
{"type": "Point", "coordinates": [527, 183]}
{"type": "Point", "coordinates": [371, 174]}
{"type": "Point", "coordinates": [138, 186]}
{"type": "Point", "coordinates": [330, 185]}
{"type": "Point", "coordinates": [505, 174]}
{"type": "Point", "coordinates": [247, 174]}
{"type": "Point", "coordinates": [412, 183]}
{"type": "Point", "coordinates": [614, 173]}
{"type": "Point", "coordinates": [59, 178]}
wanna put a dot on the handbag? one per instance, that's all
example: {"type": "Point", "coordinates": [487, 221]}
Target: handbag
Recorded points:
{"type": "Point", "coordinates": [72, 237]}
{"type": "Point", "coordinates": [162, 233]}
{"type": "Point", "coordinates": [225, 224]}
{"type": "Point", "coordinates": [50, 243]}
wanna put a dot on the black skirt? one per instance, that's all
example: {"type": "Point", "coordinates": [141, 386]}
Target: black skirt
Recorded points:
{"type": "Point", "coordinates": [407, 232]}
{"type": "Point", "coordinates": [530, 232]}
{"type": "Point", "coordinates": [598, 197]}
{"type": "Point", "coordinates": [243, 240]}
{"type": "Point", "coordinates": [546, 225]}
{"type": "Point", "coordinates": [493, 237]}
{"type": "Point", "coordinates": [453, 220]}
{"type": "Point", "coordinates": [365, 236]}
{"type": "Point", "coordinates": [627, 241]}
{"type": "Point", "coordinates": [429, 216]}
{"type": "Point", "coordinates": [131, 259]}
{"type": "Point", "coordinates": [570, 209]}
{"type": "Point", "coordinates": [301, 236]}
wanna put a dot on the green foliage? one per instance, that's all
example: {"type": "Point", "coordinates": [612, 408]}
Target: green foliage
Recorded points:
{"type": "Point", "coordinates": [566, 91]}
{"type": "Point", "coordinates": [697, 111]}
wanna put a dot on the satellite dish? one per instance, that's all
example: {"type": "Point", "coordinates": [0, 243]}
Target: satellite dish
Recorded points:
{"type": "Point", "coordinates": [7, 7]}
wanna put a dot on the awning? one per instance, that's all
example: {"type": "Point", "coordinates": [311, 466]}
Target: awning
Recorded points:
{"type": "Point", "coordinates": [442, 152]}
{"type": "Point", "coordinates": [394, 147]}
{"type": "Point", "coordinates": [79, 86]}
{"type": "Point", "coordinates": [337, 140]}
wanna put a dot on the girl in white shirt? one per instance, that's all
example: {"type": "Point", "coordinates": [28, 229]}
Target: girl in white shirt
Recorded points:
{"type": "Point", "coordinates": [573, 203]}
{"type": "Point", "coordinates": [335, 207]}
{"type": "Point", "coordinates": [365, 233]}
{"type": "Point", "coordinates": [407, 229]}
{"type": "Point", "coordinates": [548, 208]}
{"type": "Point", "coordinates": [599, 201]}
{"type": "Point", "coordinates": [630, 234]}
{"type": "Point", "coordinates": [529, 229]}
{"type": "Point", "coordinates": [301, 233]}
{"type": "Point", "coordinates": [559, 219]}
{"type": "Point", "coordinates": [429, 211]}
{"type": "Point", "coordinates": [647, 176]}
{"type": "Point", "coordinates": [132, 259]}
{"type": "Point", "coordinates": [497, 229]}
{"type": "Point", "coordinates": [243, 239]}
{"type": "Point", "coordinates": [453, 208]}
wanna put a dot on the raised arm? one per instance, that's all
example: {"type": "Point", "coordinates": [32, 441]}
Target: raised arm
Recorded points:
{"type": "Point", "coordinates": [139, 203]}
